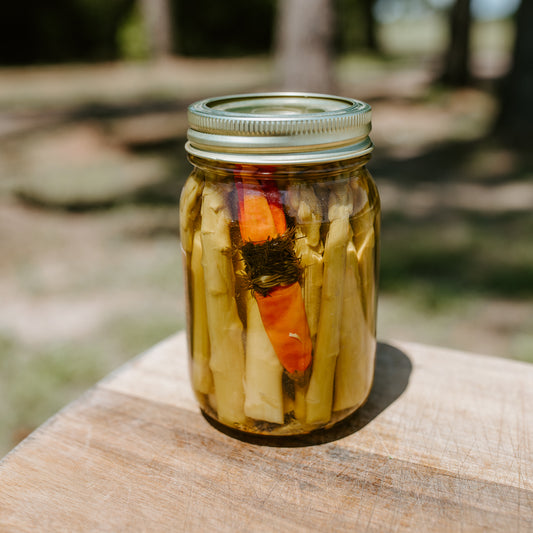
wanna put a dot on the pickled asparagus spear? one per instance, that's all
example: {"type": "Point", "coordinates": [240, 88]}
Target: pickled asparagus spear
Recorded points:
{"type": "Point", "coordinates": [312, 263]}
{"type": "Point", "coordinates": [201, 373]}
{"type": "Point", "coordinates": [190, 203]}
{"type": "Point", "coordinates": [224, 325]}
{"type": "Point", "coordinates": [307, 212]}
{"type": "Point", "coordinates": [352, 370]}
{"type": "Point", "coordinates": [364, 237]}
{"type": "Point", "coordinates": [263, 389]}
{"type": "Point", "coordinates": [366, 254]}
{"type": "Point", "coordinates": [320, 393]}
{"type": "Point", "coordinates": [305, 208]}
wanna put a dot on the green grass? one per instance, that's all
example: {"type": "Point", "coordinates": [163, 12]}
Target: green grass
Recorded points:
{"type": "Point", "coordinates": [459, 255]}
{"type": "Point", "coordinates": [38, 381]}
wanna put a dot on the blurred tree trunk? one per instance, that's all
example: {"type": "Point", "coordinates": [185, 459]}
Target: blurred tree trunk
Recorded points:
{"type": "Point", "coordinates": [158, 23]}
{"type": "Point", "coordinates": [304, 45]}
{"type": "Point", "coordinates": [371, 40]}
{"type": "Point", "coordinates": [457, 59]}
{"type": "Point", "coordinates": [516, 115]}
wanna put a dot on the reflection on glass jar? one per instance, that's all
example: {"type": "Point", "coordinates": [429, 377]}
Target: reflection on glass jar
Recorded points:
{"type": "Point", "coordinates": [279, 225]}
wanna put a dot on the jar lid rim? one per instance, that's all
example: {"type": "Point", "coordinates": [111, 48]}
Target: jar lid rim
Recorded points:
{"type": "Point", "coordinates": [278, 122]}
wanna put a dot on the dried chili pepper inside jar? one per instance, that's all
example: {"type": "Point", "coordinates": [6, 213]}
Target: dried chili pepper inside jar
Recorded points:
{"type": "Point", "coordinates": [279, 226]}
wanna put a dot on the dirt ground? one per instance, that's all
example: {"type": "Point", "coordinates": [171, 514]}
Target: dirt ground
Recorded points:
{"type": "Point", "coordinates": [91, 165]}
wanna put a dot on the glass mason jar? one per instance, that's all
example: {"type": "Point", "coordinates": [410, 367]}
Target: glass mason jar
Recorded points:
{"type": "Point", "coordinates": [279, 226]}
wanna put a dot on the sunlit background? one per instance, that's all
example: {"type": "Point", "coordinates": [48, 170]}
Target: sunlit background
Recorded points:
{"type": "Point", "coordinates": [92, 127]}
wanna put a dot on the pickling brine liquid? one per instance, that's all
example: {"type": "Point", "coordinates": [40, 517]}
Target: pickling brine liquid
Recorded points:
{"type": "Point", "coordinates": [281, 274]}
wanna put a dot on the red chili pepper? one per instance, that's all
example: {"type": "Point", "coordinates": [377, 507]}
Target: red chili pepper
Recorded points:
{"type": "Point", "coordinates": [258, 220]}
{"type": "Point", "coordinates": [261, 218]}
{"type": "Point", "coordinates": [283, 315]}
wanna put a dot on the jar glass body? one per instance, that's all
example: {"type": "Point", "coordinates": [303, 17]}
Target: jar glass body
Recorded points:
{"type": "Point", "coordinates": [247, 301]}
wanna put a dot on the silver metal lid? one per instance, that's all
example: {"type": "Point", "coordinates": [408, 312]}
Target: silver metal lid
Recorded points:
{"type": "Point", "coordinates": [283, 128]}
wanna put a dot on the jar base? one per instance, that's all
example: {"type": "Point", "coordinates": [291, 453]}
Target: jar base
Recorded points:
{"type": "Point", "coordinates": [287, 435]}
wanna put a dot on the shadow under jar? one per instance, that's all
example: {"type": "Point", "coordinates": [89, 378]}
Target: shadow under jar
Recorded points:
{"type": "Point", "coordinates": [279, 226]}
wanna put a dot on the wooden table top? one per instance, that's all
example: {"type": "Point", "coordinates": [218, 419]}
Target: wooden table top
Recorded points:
{"type": "Point", "coordinates": [444, 443]}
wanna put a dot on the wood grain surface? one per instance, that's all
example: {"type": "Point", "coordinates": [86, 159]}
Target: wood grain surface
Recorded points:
{"type": "Point", "coordinates": [443, 444]}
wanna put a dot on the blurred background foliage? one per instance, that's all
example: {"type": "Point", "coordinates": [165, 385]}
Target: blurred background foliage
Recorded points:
{"type": "Point", "coordinates": [93, 97]}
{"type": "Point", "coordinates": [62, 31]}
